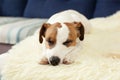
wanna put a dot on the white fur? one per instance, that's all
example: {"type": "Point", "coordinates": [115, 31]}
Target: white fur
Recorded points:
{"type": "Point", "coordinates": [62, 34]}
{"type": "Point", "coordinates": [61, 50]}
{"type": "Point", "coordinates": [71, 16]}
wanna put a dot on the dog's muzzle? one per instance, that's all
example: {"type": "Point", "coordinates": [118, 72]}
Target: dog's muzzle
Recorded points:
{"type": "Point", "coordinates": [54, 60]}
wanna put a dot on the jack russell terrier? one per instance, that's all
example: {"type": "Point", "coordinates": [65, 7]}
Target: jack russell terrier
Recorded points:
{"type": "Point", "coordinates": [61, 36]}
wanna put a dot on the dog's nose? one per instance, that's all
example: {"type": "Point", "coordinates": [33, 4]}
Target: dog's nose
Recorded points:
{"type": "Point", "coordinates": [54, 60]}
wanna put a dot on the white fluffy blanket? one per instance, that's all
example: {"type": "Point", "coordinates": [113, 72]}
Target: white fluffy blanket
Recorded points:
{"type": "Point", "coordinates": [98, 60]}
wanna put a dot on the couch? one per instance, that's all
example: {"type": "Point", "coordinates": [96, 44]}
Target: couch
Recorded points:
{"type": "Point", "coordinates": [13, 11]}
{"type": "Point", "coordinates": [98, 59]}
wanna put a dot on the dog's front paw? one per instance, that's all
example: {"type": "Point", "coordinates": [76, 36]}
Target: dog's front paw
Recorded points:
{"type": "Point", "coordinates": [67, 61]}
{"type": "Point", "coordinates": [44, 61]}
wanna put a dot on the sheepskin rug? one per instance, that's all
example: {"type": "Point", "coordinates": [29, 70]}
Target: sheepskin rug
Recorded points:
{"type": "Point", "coordinates": [99, 58]}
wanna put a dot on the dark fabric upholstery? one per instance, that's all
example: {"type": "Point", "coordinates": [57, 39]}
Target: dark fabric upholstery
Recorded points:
{"type": "Point", "coordinates": [13, 7]}
{"type": "Point", "coordinates": [46, 8]}
{"type": "Point", "coordinates": [4, 47]}
{"type": "Point", "coordinates": [1, 1]}
{"type": "Point", "coordinates": [106, 7]}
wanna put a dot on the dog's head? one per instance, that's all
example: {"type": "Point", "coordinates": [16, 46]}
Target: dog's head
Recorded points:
{"type": "Point", "coordinates": [59, 39]}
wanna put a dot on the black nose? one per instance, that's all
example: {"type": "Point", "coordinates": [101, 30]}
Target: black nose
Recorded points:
{"type": "Point", "coordinates": [54, 60]}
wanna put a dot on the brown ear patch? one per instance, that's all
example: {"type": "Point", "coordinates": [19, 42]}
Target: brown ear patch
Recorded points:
{"type": "Point", "coordinates": [42, 31]}
{"type": "Point", "coordinates": [79, 29]}
{"type": "Point", "coordinates": [71, 41]}
{"type": "Point", "coordinates": [50, 29]}
{"type": "Point", "coordinates": [57, 24]}
{"type": "Point", "coordinates": [51, 34]}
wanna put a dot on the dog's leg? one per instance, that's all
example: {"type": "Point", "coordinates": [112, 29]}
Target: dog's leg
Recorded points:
{"type": "Point", "coordinates": [69, 59]}
{"type": "Point", "coordinates": [43, 60]}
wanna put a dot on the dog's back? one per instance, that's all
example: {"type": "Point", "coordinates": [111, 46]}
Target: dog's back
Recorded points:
{"type": "Point", "coordinates": [70, 16]}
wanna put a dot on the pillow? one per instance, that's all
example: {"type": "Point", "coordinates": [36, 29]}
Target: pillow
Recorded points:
{"type": "Point", "coordinates": [13, 7]}
{"type": "Point", "coordinates": [106, 7]}
{"type": "Point", "coordinates": [46, 8]}
{"type": "Point", "coordinates": [13, 30]}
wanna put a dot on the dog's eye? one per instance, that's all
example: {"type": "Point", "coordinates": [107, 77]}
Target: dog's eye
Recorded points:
{"type": "Point", "coordinates": [50, 42]}
{"type": "Point", "coordinates": [67, 42]}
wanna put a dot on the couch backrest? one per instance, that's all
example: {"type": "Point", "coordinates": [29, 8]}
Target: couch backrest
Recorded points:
{"type": "Point", "coordinates": [0, 6]}
{"type": "Point", "coordinates": [46, 8]}
{"type": "Point", "coordinates": [12, 7]}
{"type": "Point", "coordinates": [106, 7]}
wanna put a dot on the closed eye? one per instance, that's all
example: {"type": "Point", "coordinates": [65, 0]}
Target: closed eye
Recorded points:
{"type": "Point", "coordinates": [67, 42]}
{"type": "Point", "coordinates": [50, 42]}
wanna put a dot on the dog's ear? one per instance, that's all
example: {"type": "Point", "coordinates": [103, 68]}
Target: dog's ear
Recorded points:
{"type": "Point", "coordinates": [80, 30]}
{"type": "Point", "coordinates": [42, 31]}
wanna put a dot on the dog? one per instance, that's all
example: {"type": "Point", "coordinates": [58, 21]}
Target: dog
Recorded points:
{"type": "Point", "coordinates": [61, 37]}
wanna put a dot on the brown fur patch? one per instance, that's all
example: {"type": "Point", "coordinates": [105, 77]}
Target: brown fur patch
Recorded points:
{"type": "Point", "coordinates": [44, 61]}
{"type": "Point", "coordinates": [66, 62]}
{"type": "Point", "coordinates": [51, 34]}
{"type": "Point", "coordinates": [72, 34]}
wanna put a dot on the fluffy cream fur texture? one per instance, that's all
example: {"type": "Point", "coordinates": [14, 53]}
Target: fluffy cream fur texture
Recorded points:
{"type": "Point", "coordinates": [98, 60]}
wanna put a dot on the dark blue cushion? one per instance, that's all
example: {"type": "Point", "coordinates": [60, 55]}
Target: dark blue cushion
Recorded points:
{"type": "Point", "coordinates": [1, 1]}
{"type": "Point", "coordinates": [106, 7]}
{"type": "Point", "coordinates": [46, 8]}
{"type": "Point", "coordinates": [13, 7]}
